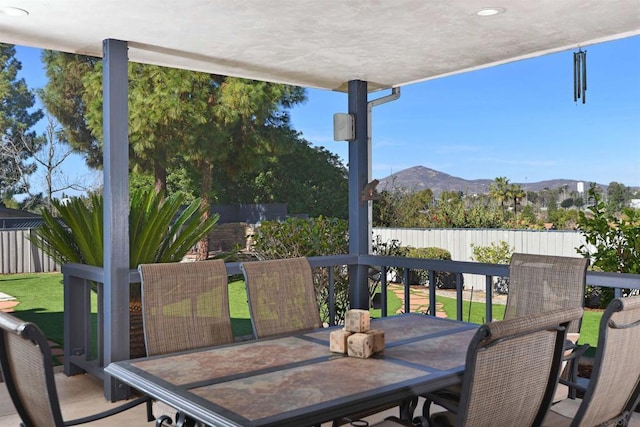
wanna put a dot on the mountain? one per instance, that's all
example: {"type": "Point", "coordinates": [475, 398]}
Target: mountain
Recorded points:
{"type": "Point", "coordinates": [419, 178]}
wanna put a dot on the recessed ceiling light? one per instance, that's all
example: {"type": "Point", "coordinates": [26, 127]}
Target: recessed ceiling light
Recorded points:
{"type": "Point", "coordinates": [13, 11]}
{"type": "Point", "coordinates": [489, 11]}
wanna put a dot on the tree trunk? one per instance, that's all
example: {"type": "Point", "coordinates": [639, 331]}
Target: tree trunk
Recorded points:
{"type": "Point", "coordinates": [205, 190]}
{"type": "Point", "coordinates": [160, 178]}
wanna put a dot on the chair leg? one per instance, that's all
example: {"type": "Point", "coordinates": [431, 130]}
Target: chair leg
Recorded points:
{"type": "Point", "coordinates": [426, 408]}
{"type": "Point", "coordinates": [407, 408]}
{"type": "Point", "coordinates": [572, 368]}
{"type": "Point", "coordinates": [150, 416]}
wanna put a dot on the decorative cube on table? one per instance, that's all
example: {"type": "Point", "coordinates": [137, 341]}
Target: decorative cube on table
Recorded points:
{"type": "Point", "coordinates": [338, 340]}
{"type": "Point", "coordinates": [378, 339]}
{"type": "Point", "coordinates": [357, 321]}
{"type": "Point", "coordinates": [360, 345]}
{"type": "Point", "coordinates": [356, 338]}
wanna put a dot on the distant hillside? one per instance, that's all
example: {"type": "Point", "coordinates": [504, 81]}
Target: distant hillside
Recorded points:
{"type": "Point", "coordinates": [419, 178]}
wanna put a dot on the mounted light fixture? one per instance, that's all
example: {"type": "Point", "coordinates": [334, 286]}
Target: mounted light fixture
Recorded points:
{"type": "Point", "coordinates": [490, 11]}
{"type": "Point", "coordinates": [13, 11]}
{"type": "Point", "coordinates": [343, 127]}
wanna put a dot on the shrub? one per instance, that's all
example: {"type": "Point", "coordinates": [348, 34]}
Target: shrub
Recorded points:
{"type": "Point", "coordinates": [443, 279]}
{"type": "Point", "coordinates": [496, 253]}
{"type": "Point", "coordinates": [297, 237]}
{"type": "Point", "coordinates": [159, 229]}
{"type": "Point", "coordinates": [389, 248]}
{"type": "Point", "coordinates": [613, 244]}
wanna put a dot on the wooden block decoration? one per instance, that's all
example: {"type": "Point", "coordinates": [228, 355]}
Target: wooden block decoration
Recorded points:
{"type": "Point", "coordinates": [360, 345]}
{"type": "Point", "coordinates": [378, 339]}
{"type": "Point", "coordinates": [357, 321]}
{"type": "Point", "coordinates": [338, 341]}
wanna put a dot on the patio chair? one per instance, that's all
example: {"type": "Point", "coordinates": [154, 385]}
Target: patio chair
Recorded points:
{"type": "Point", "coordinates": [25, 359]}
{"type": "Point", "coordinates": [543, 282]}
{"type": "Point", "coordinates": [540, 283]}
{"type": "Point", "coordinates": [511, 372]}
{"type": "Point", "coordinates": [281, 296]}
{"type": "Point", "coordinates": [614, 387]}
{"type": "Point", "coordinates": [185, 305]}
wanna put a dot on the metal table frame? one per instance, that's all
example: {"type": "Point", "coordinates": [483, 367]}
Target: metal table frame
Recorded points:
{"type": "Point", "coordinates": [295, 380]}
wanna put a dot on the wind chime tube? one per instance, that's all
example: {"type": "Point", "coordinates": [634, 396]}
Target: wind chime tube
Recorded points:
{"type": "Point", "coordinates": [580, 76]}
{"type": "Point", "coordinates": [578, 83]}
{"type": "Point", "coordinates": [584, 76]}
{"type": "Point", "coordinates": [575, 77]}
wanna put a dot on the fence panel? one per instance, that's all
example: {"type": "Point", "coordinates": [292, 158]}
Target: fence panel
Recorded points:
{"type": "Point", "coordinates": [459, 241]}
{"type": "Point", "coordinates": [19, 255]}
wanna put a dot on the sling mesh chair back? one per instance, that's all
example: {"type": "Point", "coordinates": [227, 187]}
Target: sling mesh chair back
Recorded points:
{"type": "Point", "coordinates": [281, 296]}
{"type": "Point", "coordinates": [185, 306]}
{"type": "Point", "coordinates": [511, 371]}
{"type": "Point", "coordinates": [538, 283]}
{"type": "Point", "coordinates": [613, 388]}
{"type": "Point", "coordinates": [25, 359]}
{"type": "Point", "coordinates": [544, 282]}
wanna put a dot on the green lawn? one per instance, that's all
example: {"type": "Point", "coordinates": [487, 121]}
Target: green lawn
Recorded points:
{"type": "Point", "coordinates": [588, 331]}
{"type": "Point", "coordinates": [41, 302]}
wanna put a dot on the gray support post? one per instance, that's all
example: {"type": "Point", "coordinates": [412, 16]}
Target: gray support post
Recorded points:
{"type": "Point", "coordinates": [77, 303]}
{"type": "Point", "coordinates": [116, 211]}
{"type": "Point", "coordinates": [358, 210]}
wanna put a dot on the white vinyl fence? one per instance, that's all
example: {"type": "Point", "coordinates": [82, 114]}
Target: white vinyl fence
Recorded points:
{"type": "Point", "coordinates": [458, 242]}
{"type": "Point", "coordinates": [19, 255]}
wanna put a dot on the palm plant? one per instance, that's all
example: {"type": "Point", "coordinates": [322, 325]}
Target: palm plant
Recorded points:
{"type": "Point", "coordinates": [498, 190]}
{"type": "Point", "coordinates": [159, 231]}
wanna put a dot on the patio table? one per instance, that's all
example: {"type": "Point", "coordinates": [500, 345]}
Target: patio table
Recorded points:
{"type": "Point", "coordinates": [295, 380]}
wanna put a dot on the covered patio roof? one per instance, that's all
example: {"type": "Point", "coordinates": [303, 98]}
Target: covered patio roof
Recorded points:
{"type": "Point", "coordinates": [321, 44]}
{"type": "Point", "coordinates": [355, 46]}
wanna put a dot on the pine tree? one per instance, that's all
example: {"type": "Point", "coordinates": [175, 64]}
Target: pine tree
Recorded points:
{"type": "Point", "coordinates": [16, 121]}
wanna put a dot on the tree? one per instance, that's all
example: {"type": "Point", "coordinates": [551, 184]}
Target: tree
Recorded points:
{"type": "Point", "coordinates": [578, 202]}
{"type": "Point", "coordinates": [528, 216]}
{"type": "Point", "coordinates": [176, 117]}
{"type": "Point", "coordinates": [515, 194]}
{"type": "Point", "coordinates": [16, 120]}
{"type": "Point", "coordinates": [617, 197]}
{"type": "Point", "coordinates": [64, 98]}
{"type": "Point", "coordinates": [567, 203]}
{"type": "Point", "coordinates": [207, 124]}
{"type": "Point", "coordinates": [47, 157]}
{"type": "Point", "coordinates": [498, 190]}
{"type": "Point", "coordinates": [552, 204]}
{"type": "Point", "coordinates": [311, 180]}
{"type": "Point", "coordinates": [16, 167]}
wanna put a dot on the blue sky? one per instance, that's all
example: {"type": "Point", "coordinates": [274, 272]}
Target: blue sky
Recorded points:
{"type": "Point", "coordinates": [516, 120]}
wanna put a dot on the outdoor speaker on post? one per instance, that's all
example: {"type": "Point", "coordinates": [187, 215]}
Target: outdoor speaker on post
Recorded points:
{"type": "Point", "coordinates": [343, 127]}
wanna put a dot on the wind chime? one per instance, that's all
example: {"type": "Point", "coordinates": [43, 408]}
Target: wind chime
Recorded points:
{"type": "Point", "coordinates": [580, 75]}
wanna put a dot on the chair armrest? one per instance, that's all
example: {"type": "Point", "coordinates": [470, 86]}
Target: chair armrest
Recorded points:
{"type": "Point", "coordinates": [570, 378]}
{"type": "Point", "coordinates": [574, 385]}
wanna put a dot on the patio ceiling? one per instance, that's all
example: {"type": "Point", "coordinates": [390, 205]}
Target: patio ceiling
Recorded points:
{"type": "Point", "coordinates": [321, 43]}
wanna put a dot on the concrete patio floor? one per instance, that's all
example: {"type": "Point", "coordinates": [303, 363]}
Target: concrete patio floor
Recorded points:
{"type": "Point", "coordinates": [80, 396]}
